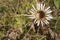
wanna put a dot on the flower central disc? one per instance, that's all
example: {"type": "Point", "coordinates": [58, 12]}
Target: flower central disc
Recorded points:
{"type": "Point", "coordinates": [41, 14]}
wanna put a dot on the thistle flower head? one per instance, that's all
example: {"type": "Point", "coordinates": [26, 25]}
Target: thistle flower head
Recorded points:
{"type": "Point", "coordinates": [41, 14]}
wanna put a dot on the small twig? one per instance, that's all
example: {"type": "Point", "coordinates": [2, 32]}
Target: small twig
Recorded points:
{"type": "Point", "coordinates": [27, 33]}
{"type": "Point", "coordinates": [42, 37]}
{"type": "Point", "coordinates": [51, 33]}
{"type": "Point", "coordinates": [56, 23]}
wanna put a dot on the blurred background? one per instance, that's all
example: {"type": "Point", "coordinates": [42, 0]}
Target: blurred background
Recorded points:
{"type": "Point", "coordinates": [14, 26]}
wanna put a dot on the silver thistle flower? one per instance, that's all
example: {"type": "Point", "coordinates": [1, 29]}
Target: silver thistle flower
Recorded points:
{"type": "Point", "coordinates": [41, 14]}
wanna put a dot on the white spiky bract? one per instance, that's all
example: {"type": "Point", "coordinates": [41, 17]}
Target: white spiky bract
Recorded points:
{"type": "Point", "coordinates": [41, 14]}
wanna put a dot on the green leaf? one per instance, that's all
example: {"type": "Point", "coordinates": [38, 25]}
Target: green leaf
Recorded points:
{"type": "Point", "coordinates": [19, 22]}
{"type": "Point", "coordinates": [1, 9]}
{"type": "Point", "coordinates": [57, 3]}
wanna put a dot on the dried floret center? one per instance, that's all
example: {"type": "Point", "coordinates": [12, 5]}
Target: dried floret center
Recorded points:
{"type": "Point", "coordinates": [41, 14]}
